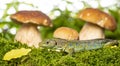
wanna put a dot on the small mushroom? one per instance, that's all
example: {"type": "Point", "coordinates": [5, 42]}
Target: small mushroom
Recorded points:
{"type": "Point", "coordinates": [97, 21]}
{"type": "Point", "coordinates": [29, 33]}
{"type": "Point", "coordinates": [66, 33]}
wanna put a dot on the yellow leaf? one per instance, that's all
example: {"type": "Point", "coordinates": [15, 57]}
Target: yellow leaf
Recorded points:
{"type": "Point", "coordinates": [16, 53]}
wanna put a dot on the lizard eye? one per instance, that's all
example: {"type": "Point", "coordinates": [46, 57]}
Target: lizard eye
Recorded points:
{"type": "Point", "coordinates": [47, 42]}
{"type": "Point", "coordinates": [55, 43]}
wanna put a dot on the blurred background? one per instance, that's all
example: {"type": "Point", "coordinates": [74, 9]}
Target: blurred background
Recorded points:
{"type": "Point", "coordinates": [62, 13]}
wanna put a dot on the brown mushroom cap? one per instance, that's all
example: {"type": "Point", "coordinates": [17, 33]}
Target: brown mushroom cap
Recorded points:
{"type": "Point", "coordinates": [66, 33]}
{"type": "Point", "coordinates": [98, 17]}
{"type": "Point", "coordinates": [34, 17]}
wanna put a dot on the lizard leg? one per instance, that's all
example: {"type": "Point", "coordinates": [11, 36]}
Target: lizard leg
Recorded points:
{"type": "Point", "coordinates": [111, 44]}
{"type": "Point", "coordinates": [70, 51]}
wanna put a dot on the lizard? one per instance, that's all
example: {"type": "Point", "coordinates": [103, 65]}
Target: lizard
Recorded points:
{"type": "Point", "coordinates": [71, 46]}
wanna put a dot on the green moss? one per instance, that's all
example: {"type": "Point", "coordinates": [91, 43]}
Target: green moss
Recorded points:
{"type": "Point", "coordinates": [42, 57]}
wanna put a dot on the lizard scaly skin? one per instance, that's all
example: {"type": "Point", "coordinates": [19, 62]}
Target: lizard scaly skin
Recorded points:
{"type": "Point", "coordinates": [77, 46]}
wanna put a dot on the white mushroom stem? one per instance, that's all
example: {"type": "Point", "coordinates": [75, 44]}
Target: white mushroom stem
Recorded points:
{"type": "Point", "coordinates": [91, 31]}
{"type": "Point", "coordinates": [29, 35]}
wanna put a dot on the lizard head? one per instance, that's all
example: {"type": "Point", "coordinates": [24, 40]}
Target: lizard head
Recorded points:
{"type": "Point", "coordinates": [53, 43]}
{"type": "Point", "coordinates": [48, 43]}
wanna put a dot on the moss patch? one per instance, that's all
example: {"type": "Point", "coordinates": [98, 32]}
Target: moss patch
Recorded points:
{"type": "Point", "coordinates": [40, 57]}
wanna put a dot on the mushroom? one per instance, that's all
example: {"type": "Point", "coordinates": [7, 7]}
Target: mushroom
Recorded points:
{"type": "Point", "coordinates": [97, 21]}
{"type": "Point", "coordinates": [28, 33]}
{"type": "Point", "coordinates": [65, 33]}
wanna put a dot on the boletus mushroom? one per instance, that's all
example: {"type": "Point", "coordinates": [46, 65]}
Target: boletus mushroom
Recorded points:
{"type": "Point", "coordinates": [28, 33]}
{"type": "Point", "coordinates": [97, 21]}
{"type": "Point", "coordinates": [66, 33]}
